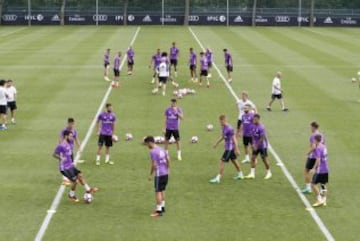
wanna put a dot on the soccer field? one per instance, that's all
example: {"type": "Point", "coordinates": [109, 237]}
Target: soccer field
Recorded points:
{"type": "Point", "coordinates": [58, 73]}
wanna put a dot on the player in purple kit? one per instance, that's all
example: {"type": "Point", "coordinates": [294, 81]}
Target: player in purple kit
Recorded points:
{"type": "Point", "coordinates": [130, 60]}
{"type": "Point", "coordinates": [204, 68]}
{"type": "Point", "coordinates": [174, 55]}
{"type": "Point", "coordinates": [106, 64]}
{"type": "Point", "coordinates": [259, 146]}
{"type": "Point", "coordinates": [209, 57]}
{"type": "Point", "coordinates": [321, 172]}
{"type": "Point", "coordinates": [116, 67]}
{"type": "Point", "coordinates": [63, 152]}
{"type": "Point", "coordinates": [310, 158]}
{"type": "Point", "coordinates": [160, 163]}
{"type": "Point", "coordinates": [155, 61]}
{"type": "Point", "coordinates": [105, 129]}
{"type": "Point", "coordinates": [192, 64]}
{"type": "Point", "coordinates": [231, 150]}
{"type": "Point", "coordinates": [245, 130]}
{"type": "Point", "coordinates": [173, 115]}
{"type": "Point", "coordinates": [228, 64]}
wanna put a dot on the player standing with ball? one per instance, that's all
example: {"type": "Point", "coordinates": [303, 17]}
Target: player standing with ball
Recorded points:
{"type": "Point", "coordinates": [173, 115]}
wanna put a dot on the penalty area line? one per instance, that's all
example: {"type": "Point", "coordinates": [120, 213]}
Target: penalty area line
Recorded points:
{"type": "Point", "coordinates": [61, 190]}
{"type": "Point", "coordinates": [280, 163]}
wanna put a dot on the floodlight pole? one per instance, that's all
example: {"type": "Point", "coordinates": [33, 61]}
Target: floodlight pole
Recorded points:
{"type": "Point", "coordinates": [29, 12]}
{"type": "Point", "coordinates": [227, 13]}
{"type": "Point", "coordinates": [97, 13]}
{"type": "Point", "coordinates": [162, 11]}
{"type": "Point", "coordinates": [299, 16]}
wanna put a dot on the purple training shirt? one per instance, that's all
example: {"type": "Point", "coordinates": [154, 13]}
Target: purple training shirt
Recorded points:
{"type": "Point", "coordinates": [117, 62]}
{"type": "Point", "coordinates": [312, 141]}
{"type": "Point", "coordinates": [204, 63]}
{"type": "Point", "coordinates": [73, 131]}
{"type": "Point", "coordinates": [321, 152]}
{"type": "Point", "coordinates": [228, 59]}
{"type": "Point", "coordinates": [174, 53]}
{"type": "Point", "coordinates": [64, 150]}
{"type": "Point", "coordinates": [172, 118]}
{"type": "Point", "coordinates": [106, 58]}
{"type": "Point", "coordinates": [247, 124]}
{"type": "Point", "coordinates": [192, 58]}
{"type": "Point", "coordinates": [107, 122]}
{"type": "Point", "coordinates": [158, 155]}
{"type": "Point", "coordinates": [156, 58]}
{"type": "Point", "coordinates": [209, 55]}
{"type": "Point", "coordinates": [130, 54]}
{"type": "Point", "coordinates": [257, 133]}
{"type": "Point", "coordinates": [228, 134]}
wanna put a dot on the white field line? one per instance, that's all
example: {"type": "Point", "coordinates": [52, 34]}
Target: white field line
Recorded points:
{"type": "Point", "coordinates": [61, 190]}
{"type": "Point", "coordinates": [12, 32]}
{"type": "Point", "coordinates": [286, 172]}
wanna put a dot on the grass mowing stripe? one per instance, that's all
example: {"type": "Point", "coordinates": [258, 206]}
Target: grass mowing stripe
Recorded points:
{"type": "Point", "coordinates": [12, 32]}
{"type": "Point", "coordinates": [286, 172]}
{"type": "Point", "coordinates": [61, 190]}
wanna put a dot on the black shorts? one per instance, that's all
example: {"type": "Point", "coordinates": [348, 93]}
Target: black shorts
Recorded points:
{"type": "Point", "coordinates": [310, 163]}
{"type": "Point", "coordinates": [193, 67]}
{"type": "Point", "coordinates": [160, 183]}
{"type": "Point", "coordinates": [321, 178]}
{"type": "Point", "coordinates": [106, 65]}
{"type": "Point", "coordinates": [130, 63]}
{"type": "Point", "coordinates": [229, 68]}
{"type": "Point", "coordinates": [204, 73]}
{"type": "Point", "coordinates": [12, 105]}
{"type": "Point", "coordinates": [116, 72]}
{"type": "Point", "coordinates": [174, 62]}
{"type": "Point", "coordinates": [163, 80]}
{"type": "Point", "coordinates": [104, 139]}
{"type": "Point", "coordinates": [247, 140]}
{"type": "Point", "coordinates": [273, 96]}
{"type": "Point", "coordinates": [210, 64]}
{"type": "Point", "coordinates": [228, 155]}
{"type": "Point", "coordinates": [239, 124]}
{"type": "Point", "coordinates": [71, 173]}
{"type": "Point", "coordinates": [261, 151]}
{"type": "Point", "coordinates": [174, 133]}
{"type": "Point", "coordinates": [3, 109]}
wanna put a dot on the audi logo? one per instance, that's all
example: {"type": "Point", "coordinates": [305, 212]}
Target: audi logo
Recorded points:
{"type": "Point", "coordinates": [100, 17]}
{"type": "Point", "coordinates": [9, 17]}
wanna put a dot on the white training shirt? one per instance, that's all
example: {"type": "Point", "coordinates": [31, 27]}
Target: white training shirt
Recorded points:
{"type": "Point", "coordinates": [276, 83]}
{"type": "Point", "coordinates": [11, 92]}
{"type": "Point", "coordinates": [3, 100]}
{"type": "Point", "coordinates": [163, 70]}
{"type": "Point", "coordinates": [241, 106]}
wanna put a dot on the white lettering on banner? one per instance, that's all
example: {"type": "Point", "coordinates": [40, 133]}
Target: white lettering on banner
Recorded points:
{"type": "Point", "coordinates": [305, 19]}
{"type": "Point", "coordinates": [238, 19]}
{"type": "Point", "coordinates": [282, 19]}
{"type": "Point", "coordinates": [131, 18]}
{"type": "Point", "coordinates": [260, 19]}
{"type": "Point", "coordinates": [55, 18]}
{"type": "Point", "coordinates": [9, 17]}
{"type": "Point", "coordinates": [216, 18]}
{"type": "Point", "coordinates": [147, 19]}
{"type": "Point", "coordinates": [348, 21]}
{"type": "Point", "coordinates": [100, 17]}
{"type": "Point", "coordinates": [38, 17]}
{"type": "Point", "coordinates": [76, 18]}
{"type": "Point", "coordinates": [119, 18]}
{"type": "Point", "coordinates": [168, 19]}
{"type": "Point", "coordinates": [328, 20]}
{"type": "Point", "coordinates": [194, 18]}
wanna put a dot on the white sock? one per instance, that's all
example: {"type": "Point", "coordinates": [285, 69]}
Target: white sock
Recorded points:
{"type": "Point", "coordinates": [308, 185]}
{"type": "Point", "coordinates": [113, 82]}
{"type": "Point", "coordinates": [107, 157]}
{"type": "Point", "coordinates": [247, 157]}
{"type": "Point", "coordinates": [158, 208]}
{"type": "Point", "coordinates": [97, 158]}
{"type": "Point", "coordinates": [268, 171]}
{"type": "Point", "coordinates": [163, 204]}
{"type": "Point", "coordinates": [319, 198]}
{"type": "Point", "coordinates": [179, 153]}
{"type": "Point", "coordinates": [252, 171]}
{"type": "Point", "coordinates": [72, 193]}
{"type": "Point", "coordinates": [240, 174]}
{"type": "Point", "coordinates": [87, 188]}
{"type": "Point", "coordinates": [218, 177]}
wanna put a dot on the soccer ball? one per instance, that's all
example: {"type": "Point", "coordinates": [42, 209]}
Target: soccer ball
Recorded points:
{"type": "Point", "coordinates": [353, 80]}
{"type": "Point", "coordinates": [128, 136]}
{"type": "Point", "coordinates": [359, 73]}
{"type": "Point", "coordinates": [194, 139]}
{"type": "Point", "coordinates": [179, 95]}
{"type": "Point", "coordinates": [209, 127]}
{"type": "Point", "coordinates": [88, 198]}
{"type": "Point", "coordinates": [115, 138]}
{"type": "Point", "coordinates": [155, 91]}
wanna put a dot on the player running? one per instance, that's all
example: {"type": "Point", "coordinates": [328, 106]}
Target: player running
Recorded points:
{"type": "Point", "coordinates": [130, 54]}
{"type": "Point", "coordinates": [160, 163]}
{"type": "Point", "coordinates": [105, 129]}
{"type": "Point", "coordinates": [204, 68]}
{"type": "Point", "coordinates": [155, 61]}
{"type": "Point", "coordinates": [228, 64]}
{"type": "Point", "coordinates": [117, 59]}
{"type": "Point", "coordinates": [245, 130]}
{"type": "Point", "coordinates": [310, 160]}
{"type": "Point", "coordinates": [231, 150]}
{"type": "Point", "coordinates": [276, 92]}
{"type": "Point", "coordinates": [3, 105]}
{"type": "Point", "coordinates": [210, 59]}
{"type": "Point", "coordinates": [321, 171]}
{"type": "Point", "coordinates": [174, 55]}
{"type": "Point", "coordinates": [163, 73]}
{"type": "Point", "coordinates": [259, 146]}
{"type": "Point", "coordinates": [192, 64]}
{"type": "Point", "coordinates": [11, 100]}
{"type": "Point", "coordinates": [106, 64]}
{"type": "Point", "coordinates": [173, 115]}
{"type": "Point", "coordinates": [63, 152]}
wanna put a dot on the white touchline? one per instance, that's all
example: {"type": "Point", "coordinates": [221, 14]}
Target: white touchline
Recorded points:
{"type": "Point", "coordinates": [61, 190]}
{"type": "Point", "coordinates": [286, 172]}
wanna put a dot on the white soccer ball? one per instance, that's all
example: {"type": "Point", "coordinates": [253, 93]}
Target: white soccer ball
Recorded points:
{"type": "Point", "coordinates": [115, 138]}
{"type": "Point", "coordinates": [194, 139]}
{"type": "Point", "coordinates": [359, 73]}
{"type": "Point", "coordinates": [179, 95]}
{"type": "Point", "coordinates": [209, 127]}
{"type": "Point", "coordinates": [155, 91]}
{"type": "Point", "coordinates": [353, 80]}
{"type": "Point", "coordinates": [128, 137]}
{"type": "Point", "coordinates": [88, 198]}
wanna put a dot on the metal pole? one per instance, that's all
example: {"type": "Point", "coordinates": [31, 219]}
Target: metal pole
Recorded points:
{"type": "Point", "coordinates": [29, 12]}
{"type": "Point", "coordinates": [299, 16]}
{"type": "Point", "coordinates": [97, 12]}
{"type": "Point", "coordinates": [227, 13]}
{"type": "Point", "coordinates": [162, 11]}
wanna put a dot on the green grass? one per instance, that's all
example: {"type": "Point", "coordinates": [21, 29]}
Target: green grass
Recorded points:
{"type": "Point", "coordinates": [58, 73]}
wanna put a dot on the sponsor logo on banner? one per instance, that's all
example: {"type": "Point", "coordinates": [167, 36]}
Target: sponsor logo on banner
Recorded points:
{"type": "Point", "coordinates": [216, 18]}
{"type": "Point", "coordinates": [305, 19]}
{"type": "Point", "coordinates": [9, 17]}
{"type": "Point", "coordinates": [238, 19]}
{"type": "Point", "coordinates": [194, 18]}
{"type": "Point", "coordinates": [119, 18]}
{"type": "Point", "coordinates": [168, 19]}
{"type": "Point", "coordinates": [328, 20]}
{"type": "Point", "coordinates": [76, 18]}
{"type": "Point", "coordinates": [147, 19]}
{"type": "Point", "coordinates": [55, 18]}
{"type": "Point", "coordinates": [348, 21]}
{"type": "Point", "coordinates": [282, 19]}
{"type": "Point", "coordinates": [260, 19]}
{"type": "Point", "coordinates": [100, 17]}
{"type": "Point", "coordinates": [131, 18]}
{"type": "Point", "coordinates": [38, 17]}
